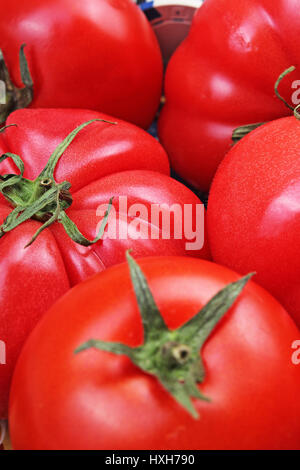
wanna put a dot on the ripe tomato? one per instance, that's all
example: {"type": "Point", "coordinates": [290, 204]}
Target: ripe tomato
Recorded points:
{"type": "Point", "coordinates": [99, 400]}
{"type": "Point", "coordinates": [104, 161]}
{"type": "Point", "coordinates": [254, 210]}
{"type": "Point", "coordinates": [91, 54]}
{"type": "Point", "coordinates": [222, 77]}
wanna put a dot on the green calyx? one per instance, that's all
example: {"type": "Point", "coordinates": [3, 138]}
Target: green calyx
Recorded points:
{"type": "Point", "coordinates": [278, 81]}
{"type": "Point", "coordinates": [16, 98]}
{"type": "Point", "coordinates": [172, 356]}
{"type": "Point", "coordinates": [43, 199]}
{"type": "Point", "coordinates": [242, 131]}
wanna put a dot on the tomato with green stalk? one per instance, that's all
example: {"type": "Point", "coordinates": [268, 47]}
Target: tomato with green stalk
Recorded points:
{"type": "Point", "coordinates": [222, 77]}
{"type": "Point", "coordinates": [255, 197]}
{"type": "Point", "coordinates": [54, 202]}
{"type": "Point", "coordinates": [186, 356]}
{"type": "Point", "coordinates": [91, 54]}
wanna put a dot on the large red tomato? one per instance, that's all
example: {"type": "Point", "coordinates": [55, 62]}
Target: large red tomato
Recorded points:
{"type": "Point", "coordinates": [105, 160]}
{"type": "Point", "coordinates": [254, 210]}
{"type": "Point", "coordinates": [91, 54]}
{"type": "Point", "coordinates": [223, 76]}
{"type": "Point", "coordinates": [99, 400]}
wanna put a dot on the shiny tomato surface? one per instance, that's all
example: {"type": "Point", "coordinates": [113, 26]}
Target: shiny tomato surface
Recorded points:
{"type": "Point", "coordinates": [103, 161]}
{"type": "Point", "coordinates": [97, 400]}
{"type": "Point", "coordinates": [91, 54]}
{"type": "Point", "coordinates": [223, 76]}
{"type": "Point", "coordinates": [254, 210]}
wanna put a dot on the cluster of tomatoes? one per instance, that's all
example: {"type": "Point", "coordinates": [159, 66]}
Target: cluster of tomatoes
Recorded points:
{"type": "Point", "coordinates": [171, 348]}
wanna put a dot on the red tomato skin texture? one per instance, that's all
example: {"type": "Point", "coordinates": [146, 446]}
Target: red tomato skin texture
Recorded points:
{"type": "Point", "coordinates": [97, 400]}
{"type": "Point", "coordinates": [92, 54]}
{"type": "Point", "coordinates": [31, 281]}
{"type": "Point", "coordinates": [222, 77]}
{"type": "Point", "coordinates": [104, 160]}
{"type": "Point", "coordinates": [254, 210]}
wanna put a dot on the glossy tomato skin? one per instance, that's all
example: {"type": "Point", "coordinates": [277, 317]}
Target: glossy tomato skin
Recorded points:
{"type": "Point", "coordinates": [254, 210]}
{"type": "Point", "coordinates": [97, 400]}
{"type": "Point", "coordinates": [92, 54]}
{"type": "Point", "coordinates": [223, 76]}
{"type": "Point", "coordinates": [104, 160]}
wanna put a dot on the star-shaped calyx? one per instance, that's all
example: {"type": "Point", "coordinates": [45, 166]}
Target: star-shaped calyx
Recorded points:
{"type": "Point", "coordinates": [172, 356]}
{"type": "Point", "coordinates": [44, 199]}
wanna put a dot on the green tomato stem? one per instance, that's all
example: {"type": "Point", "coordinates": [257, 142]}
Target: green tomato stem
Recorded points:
{"type": "Point", "coordinates": [16, 98]}
{"type": "Point", "coordinates": [242, 131]}
{"type": "Point", "coordinates": [172, 356]}
{"type": "Point", "coordinates": [43, 199]}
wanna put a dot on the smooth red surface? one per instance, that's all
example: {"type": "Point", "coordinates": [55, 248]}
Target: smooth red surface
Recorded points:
{"type": "Point", "coordinates": [97, 400]}
{"type": "Point", "coordinates": [104, 160]}
{"type": "Point", "coordinates": [254, 210]}
{"type": "Point", "coordinates": [90, 54]}
{"type": "Point", "coordinates": [223, 76]}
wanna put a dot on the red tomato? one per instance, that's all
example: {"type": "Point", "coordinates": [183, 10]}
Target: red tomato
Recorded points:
{"type": "Point", "coordinates": [91, 54]}
{"type": "Point", "coordinates": [104, 160]}
{"type": "Point", "coordinates": [223, 76]}
{"type": "Point", "coordinates": [98, 400]}
{"type": "Point", "coordinates": [254, 210]}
